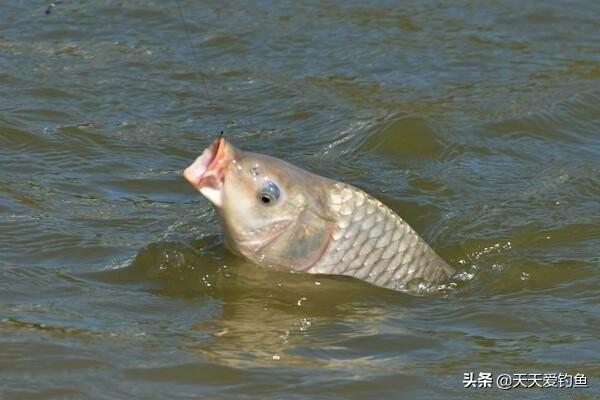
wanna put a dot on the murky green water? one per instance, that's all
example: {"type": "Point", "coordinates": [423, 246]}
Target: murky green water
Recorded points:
{"type": "Point", "coordinates": [479, 123]}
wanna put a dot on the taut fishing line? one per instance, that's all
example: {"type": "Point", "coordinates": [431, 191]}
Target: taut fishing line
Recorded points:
{"type": "Point", "coordinates": [187, 32]}
{"type": "Point", "coordinates": [188, 37]}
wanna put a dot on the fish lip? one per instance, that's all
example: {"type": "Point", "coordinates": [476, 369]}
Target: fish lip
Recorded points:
{"type": "Point", "coordinates": [207, 172]}
{"type": "Point", "coordinates": [208, 169]}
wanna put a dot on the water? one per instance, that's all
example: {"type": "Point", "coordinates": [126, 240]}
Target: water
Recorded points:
{"type": "Point", "coordinates": [479, 123]}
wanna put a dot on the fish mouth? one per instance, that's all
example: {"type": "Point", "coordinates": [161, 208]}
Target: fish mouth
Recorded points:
{"type": "Point", "coordinates": [207, 172]}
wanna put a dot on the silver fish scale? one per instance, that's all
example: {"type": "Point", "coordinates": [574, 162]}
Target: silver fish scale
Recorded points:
{"type": "Point", "coordinates": [372, 243]}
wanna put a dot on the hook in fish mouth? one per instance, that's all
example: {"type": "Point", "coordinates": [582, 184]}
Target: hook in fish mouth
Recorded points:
{"type": "Point", "coordinates": [207, 172]}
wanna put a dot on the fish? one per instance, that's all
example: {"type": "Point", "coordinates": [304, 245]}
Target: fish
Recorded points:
{"type": "Point", "coordinates": [281, 216]}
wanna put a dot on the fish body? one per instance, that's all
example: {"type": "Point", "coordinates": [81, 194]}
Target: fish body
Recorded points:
{"type": "Point", "coordinates": [372, 243]}
{"type": "Point", "coordinates": [281, 216]}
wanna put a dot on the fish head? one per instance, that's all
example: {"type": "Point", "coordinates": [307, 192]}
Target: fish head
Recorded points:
{"type": "Point", "coordinates": [271, 211]}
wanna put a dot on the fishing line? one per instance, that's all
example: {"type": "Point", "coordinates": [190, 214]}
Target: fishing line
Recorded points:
{"type": "Point", "coordinates": [187, 33]}
{"type": "Point", "coordinates": [188, 37]}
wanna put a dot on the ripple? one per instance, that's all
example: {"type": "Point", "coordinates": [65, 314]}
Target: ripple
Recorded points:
{"type": "Point", "coordinates": [477, 124]}
{"type": "Point", "coordinates": [405, 138]}
{"type": "Point", "coordinates": [189, 373]}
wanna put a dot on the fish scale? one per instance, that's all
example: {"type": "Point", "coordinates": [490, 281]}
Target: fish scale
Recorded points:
{"type": "Point", "coordinates": [372, 243]}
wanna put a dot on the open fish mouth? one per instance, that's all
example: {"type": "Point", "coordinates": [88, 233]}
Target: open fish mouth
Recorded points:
{"type": "Point", "coordinates": [207, 172]}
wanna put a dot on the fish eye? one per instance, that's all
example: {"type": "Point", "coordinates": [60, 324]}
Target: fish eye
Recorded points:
{"type": "Point", "coordinates": [269, 193]}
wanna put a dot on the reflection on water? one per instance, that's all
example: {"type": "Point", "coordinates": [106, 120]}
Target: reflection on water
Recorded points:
{"type": "Point", "coordinates": [477, 123]}
{"type": "Point", "coordinates": [268, 314]}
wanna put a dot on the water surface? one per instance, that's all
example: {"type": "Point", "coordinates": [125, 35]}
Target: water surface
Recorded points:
{"type": "Point", "coordinates": [478, 123]}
